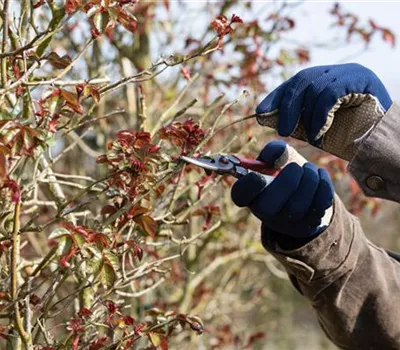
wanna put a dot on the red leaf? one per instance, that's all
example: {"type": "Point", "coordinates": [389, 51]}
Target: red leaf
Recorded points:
{"type": "Point", "coordinates": [53, 124]}
{"type": "Point", "coordinates": [94, 92]}
{"type": "Point", "coordinates": [236, 19]}
{"type": "Point", "coordinates": [166, 4]}
{"type": "Point", "coordinates": [84, 313]}
{"type": "Point", "coordinates": [185, 72]}
{"type": "Point", "coordinates": [111, 307]}
{"type": "Point", "coordinates": [136, 249]}
{"type": "Point", "coordinates": [303, 55]}
{"type": "Point", "coordinates": [64, 261]}
{"type": "Point", "coordinates": [75, 326]}
{"type": "Point", "coordinates": [164, 343]}
{"type": "Point", "coordinates": [100, 239]}
{"type": "Point", "coordinates": [75, 343]}
{"type": "Point", "coordinates": [38, 4]}
{"type": "Point", "coordinates": [221, 25]}
{"type": "Point", "coordinates": [202, 182]}
{"type": "Point", "coordinates": [128, 320]}
{"type": "Point", "coordinates": [101, 159]}
{"type": "Point", "coordinates": [108, 209]}
{"type": "Point", "coordinates": [14, 188]}
{"type": "Point", "coordinates": [389, 37]}
{"type": "Point", "coordinates": [138, 328]}
{"type": "Point", "coordinates": [185, 134]}
{"type": "Point", "coordinates": [136, 211]}
{"type": "Point", "coordinates": [99, 343]}
{"type": "Point", "coordinates": [254, 337]}
{"type": "Point", "coordinates": [127, 20]}
{"type": "Point", "coordinates": [71, 6]}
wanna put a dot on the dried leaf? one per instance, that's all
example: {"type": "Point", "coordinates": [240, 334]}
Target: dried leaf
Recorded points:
{"type": "Point", "coordinates": [108, 276]}
{"type": "Point", "coordinates": [58, 62]}
{"type": "Point", "coordinates": [72, 101]}
{"type": "Point", "coordinates": [148, 224]}
{"type": "Point", "coordinates": [128, 21]}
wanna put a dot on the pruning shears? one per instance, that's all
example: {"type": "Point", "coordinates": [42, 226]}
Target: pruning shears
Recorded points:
{"type": "Point", "coordinates": [232, 165]}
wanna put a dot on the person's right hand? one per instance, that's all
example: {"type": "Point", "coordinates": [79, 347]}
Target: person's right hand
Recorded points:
{"type": "Point", "coordinates": [294, 203]}
{"type": "Point", "coordinates": [331, 107]}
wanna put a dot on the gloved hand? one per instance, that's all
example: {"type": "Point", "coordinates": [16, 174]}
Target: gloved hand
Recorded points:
{"type": "Point", "coordinates": [294, 203]}
{"type": "Point", "coordinates": [331, 107]}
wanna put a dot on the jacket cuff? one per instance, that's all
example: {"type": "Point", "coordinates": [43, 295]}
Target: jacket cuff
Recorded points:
{"type": "Point", "coordinates": [376, 165]}
{"type": "Point", "coordinates": [330, 255]}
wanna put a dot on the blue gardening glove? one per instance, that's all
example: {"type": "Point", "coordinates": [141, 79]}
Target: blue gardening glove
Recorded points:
{"type": "Point", "coordinates": [331, 107]}
{"type": "Point", "coordinates": [294, 203]}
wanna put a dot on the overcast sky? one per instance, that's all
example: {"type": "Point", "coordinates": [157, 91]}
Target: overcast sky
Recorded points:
{"type": "Point", "coordinates": [314, 25]}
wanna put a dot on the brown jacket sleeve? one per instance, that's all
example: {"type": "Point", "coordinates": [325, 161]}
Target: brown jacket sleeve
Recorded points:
{"type": "Point", "coordinates": [353, 285]}
{"type": "Point", "coordinates": [376, 165]}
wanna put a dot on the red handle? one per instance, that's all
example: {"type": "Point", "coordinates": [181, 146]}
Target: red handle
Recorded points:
{"type": "Point", "coordinates": [258, 166]}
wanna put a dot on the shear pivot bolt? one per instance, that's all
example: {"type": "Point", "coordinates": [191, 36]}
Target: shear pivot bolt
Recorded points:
{"type": "Point", "coordinates": [224, 160]}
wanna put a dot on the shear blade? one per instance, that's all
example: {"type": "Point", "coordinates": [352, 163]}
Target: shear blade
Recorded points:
{"type": "Point", "coordinates": [201, 162]}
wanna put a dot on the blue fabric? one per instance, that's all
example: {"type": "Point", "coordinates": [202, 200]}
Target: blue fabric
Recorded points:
{"type": "Point", "coordinates": [314, 91]}
{"type": "Point", "coordinates": [294, 203]}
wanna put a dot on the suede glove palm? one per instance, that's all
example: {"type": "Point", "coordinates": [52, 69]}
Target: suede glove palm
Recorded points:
{"type": "Point", "coordinates": [331, 107]}
{"type": "Point", "coordinates": [294, 204]}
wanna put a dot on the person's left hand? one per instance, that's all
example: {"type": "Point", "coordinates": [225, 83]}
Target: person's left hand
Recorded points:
{"type": "Point", "coordinates": [331, 107]}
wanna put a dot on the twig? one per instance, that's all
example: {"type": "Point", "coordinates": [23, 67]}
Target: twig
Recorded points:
{"type": "Point", "coordinates": [167, 114]}
{"type": "Point", "coordinates": [21, 80]}
{"type": "Point", "coordinates": [184, 109]}
{"type": "Point", "coordinates": [55, 188]}
{"type": "Point", "coordinates": [152, 71]}
{"type": "Point", "coordinates": [71, 184]}
{"type": "Point", "coordinates": [226, 108]}
{"type": "Point", "coordinates": [72, 64]}
{"type": "Point", "coordinates": [140, 107]}
{"type": "Point", "coordinates": [26, 337]}
{"type": "Point", "coordinates": [69, 148]}
{"type": "Point", "coordinates": [28, 46]}
{"type": "Point", "coordinates": [73, 176]}
{"type": "Point", "coordinates": [190, 240]}
{"type": "Point", "coordinates": [83, 146]}
{"type": "Point", "coordinates": [142, 292]}
{"type": "Point", "coordinates": [132, 79]}
{"type": "Point", "coordinates": [4, 43]}
{"type": "Point", "coordinates": [93, 120]}
{"type": "Point", "coordinates": [222, 260]}
{"type": "Point", "coordinates": [96, 81]}
{"type": "Point", "coordinates": [241, 120]}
